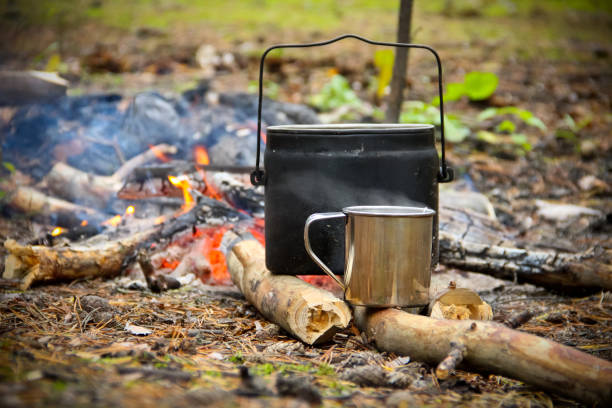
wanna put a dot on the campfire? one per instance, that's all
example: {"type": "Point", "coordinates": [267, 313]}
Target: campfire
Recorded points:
{"type": "Point", "coordinates": [160, 192]}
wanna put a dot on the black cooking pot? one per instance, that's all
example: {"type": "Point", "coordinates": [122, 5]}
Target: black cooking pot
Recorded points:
{"type": "Point", "coordinates": [320, 168]}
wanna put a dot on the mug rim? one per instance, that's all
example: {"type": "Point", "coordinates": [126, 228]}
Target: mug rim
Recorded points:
{"type": "Point", "coordinates": [388, 211]}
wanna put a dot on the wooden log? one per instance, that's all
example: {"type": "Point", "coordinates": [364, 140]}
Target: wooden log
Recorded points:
{"type": "Point", "coordinates": [29, 200]}
{"type": "Point", "coordinates": [308, 313]}
{"type": "Point", "coordinates": [490, 348]}
{"type": "Point", "coordinates": [476, 243]}
{"type": "Point", "coordinates": [94, 190]}
{"type": "Point", "coordinates": [38, 263]}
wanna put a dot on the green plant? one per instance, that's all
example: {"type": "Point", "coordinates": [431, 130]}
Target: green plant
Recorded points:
{"type": "Point", "coordinates": [476, 85]}
{"type": "Point", "coordinates": [421, 112]}
{"type": "Point", "coordinates": [263, 369]}
{"type": "Point", "coordinates": [522, 114]}
{"type": "Point", "coordinates": [518, 140]}
{"type": "Point", "coordinates": [270, 88]}
{"type": "Point", "coordinates": [237, 358]}
{"type": "Point", "coordinates": [326, 369]}
{"type": "Point", "coordinates": [334, 94]}
{"type": "Point", "coordinates": [383, 60]}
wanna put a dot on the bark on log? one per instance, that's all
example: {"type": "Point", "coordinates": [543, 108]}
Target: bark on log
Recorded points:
{"type": "Point", "coordinates": [475, 243]}
{"type": "Point", "coordinates": [310, 314]}
{"type": "Point", "coordinates": [37, 263]}
{"type": "Point", "coordinates": [491, 348]}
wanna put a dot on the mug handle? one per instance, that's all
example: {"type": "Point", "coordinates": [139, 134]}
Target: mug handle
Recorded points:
{"type": "Point", "coordinates": [315, 258]}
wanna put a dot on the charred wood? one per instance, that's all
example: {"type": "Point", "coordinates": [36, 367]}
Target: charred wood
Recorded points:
{"type": "Point", "coordinates": [94, 190]}
{"type": "Point", "coordinates": [476, 243]}
{"type": "Point", "coordinates": [490, 348]}
{"type": "Point", "coordinates": [164, 170]}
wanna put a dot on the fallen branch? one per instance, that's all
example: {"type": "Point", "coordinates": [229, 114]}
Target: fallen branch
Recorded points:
{"type": "Point", "coordinates": [38, 263]}
{"type": "Point", "coordinates": [475, 243]}
{"type": "Point", "coordinates": [490, 348]}
{"type": "Point", "coordinates": [310, 314]}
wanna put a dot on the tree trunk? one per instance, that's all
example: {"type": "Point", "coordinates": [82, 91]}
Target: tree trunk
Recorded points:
{"type": "Point", "coordinates": [398, 80]}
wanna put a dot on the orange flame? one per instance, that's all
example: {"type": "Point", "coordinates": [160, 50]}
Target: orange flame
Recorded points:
{"type": "Point", "coordinates": [84, 223]}
{"type": "Point", "coordinates": [159, 154]}
{"type": "Point", "coordinates": [201, 156]}
{"type": "Point", "coordinates": [182, 182]}
{"type": "Point", "coordinates": [113, 222]}
{"type": "Point", "coordinates": [57, 231]}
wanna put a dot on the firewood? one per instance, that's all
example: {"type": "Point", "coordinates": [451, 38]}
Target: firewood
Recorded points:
{"type": "Point", "coordinates": [476, 243]}
{"type": "Point", "coordinates": [38, 263]}
{"type": "Point", "coordinates": [94, 257]}
{"type": "Point", "coordinates": [29, 200]}
{"type": "Point", "coordinates": [490, 348]}
{"type": "Point", "coordinates": [310, 314]}
{"type": "Point", "coordinates": [91, 189]}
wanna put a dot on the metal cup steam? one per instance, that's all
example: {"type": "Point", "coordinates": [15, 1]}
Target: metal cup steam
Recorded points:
{"type": "Point", "coordinates": [387, 255]}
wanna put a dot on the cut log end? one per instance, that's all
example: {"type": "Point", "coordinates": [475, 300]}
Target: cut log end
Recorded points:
{"type": "Point", "coordinates": [310, 314]}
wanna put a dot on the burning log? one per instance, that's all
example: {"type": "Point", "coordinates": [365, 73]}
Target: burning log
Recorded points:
{"type": "Point", "coordinates": [310, 314]}
{"type": "Point", "coordinates": [94, 190]}
{"type": "Point", "coordinates": [492, 348]}
{"type": "Point", "coordinates": [475, 243]}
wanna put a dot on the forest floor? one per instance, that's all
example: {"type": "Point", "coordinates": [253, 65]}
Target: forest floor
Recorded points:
{"type": "Point", "coordinates": [68, 343]}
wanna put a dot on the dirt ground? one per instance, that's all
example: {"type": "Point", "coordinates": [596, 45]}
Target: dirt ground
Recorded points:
{"type": "Point", "coordinates": [67, 344]}
{"type": "Point", "coordinates": [74, 343]}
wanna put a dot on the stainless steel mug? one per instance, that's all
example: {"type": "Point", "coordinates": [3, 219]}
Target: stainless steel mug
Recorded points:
{"type": "Point", "coordinates": [387, 257]}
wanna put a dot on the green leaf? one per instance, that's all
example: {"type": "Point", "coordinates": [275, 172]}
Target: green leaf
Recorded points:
{"type": "Point", "coordinates": [455, 132]}
{"type": "Point", "coordinates": [454, 91]}
{"type": "Point", "coordinates": [337, 92]}
{"type": "Point", "coordinates": [521, 140]}
{"type": "Point", "coordinates": [9, 166]}
{"type": "Point", "coordinates": [487, 114]}
{"type": "Point", "coordinates": [383, 60]}
{"type": "Point", "coordinates": [506, 126]}
{"type": "Point", "coordinates": [536, 122]}
{"type": "Point", "coordinates": [487, 137]}
{"type": "Point", "coordinates": [480, 85]}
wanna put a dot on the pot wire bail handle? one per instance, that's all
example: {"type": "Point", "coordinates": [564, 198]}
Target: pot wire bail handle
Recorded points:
{"type": "Point", "coordinates": [445, 174]}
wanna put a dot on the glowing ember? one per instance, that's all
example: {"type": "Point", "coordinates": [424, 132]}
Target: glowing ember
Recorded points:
{"type": "Point", "coordinates": [113, 222]}
{"type": "Point", "coordinates": [216, 258]}
{"type": "Point", "coordinates": [84, 223]}
{"type": "Point", "coordinates": [159, 154]}
{"type": "Point", "coordinates": [57, 231]}
{"type": "Point", "coordinates": [130, 210]}
{"type": "Point", "coordinates": [182, 182]}
{"type": "Point", "coordinates": [201, 156]}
